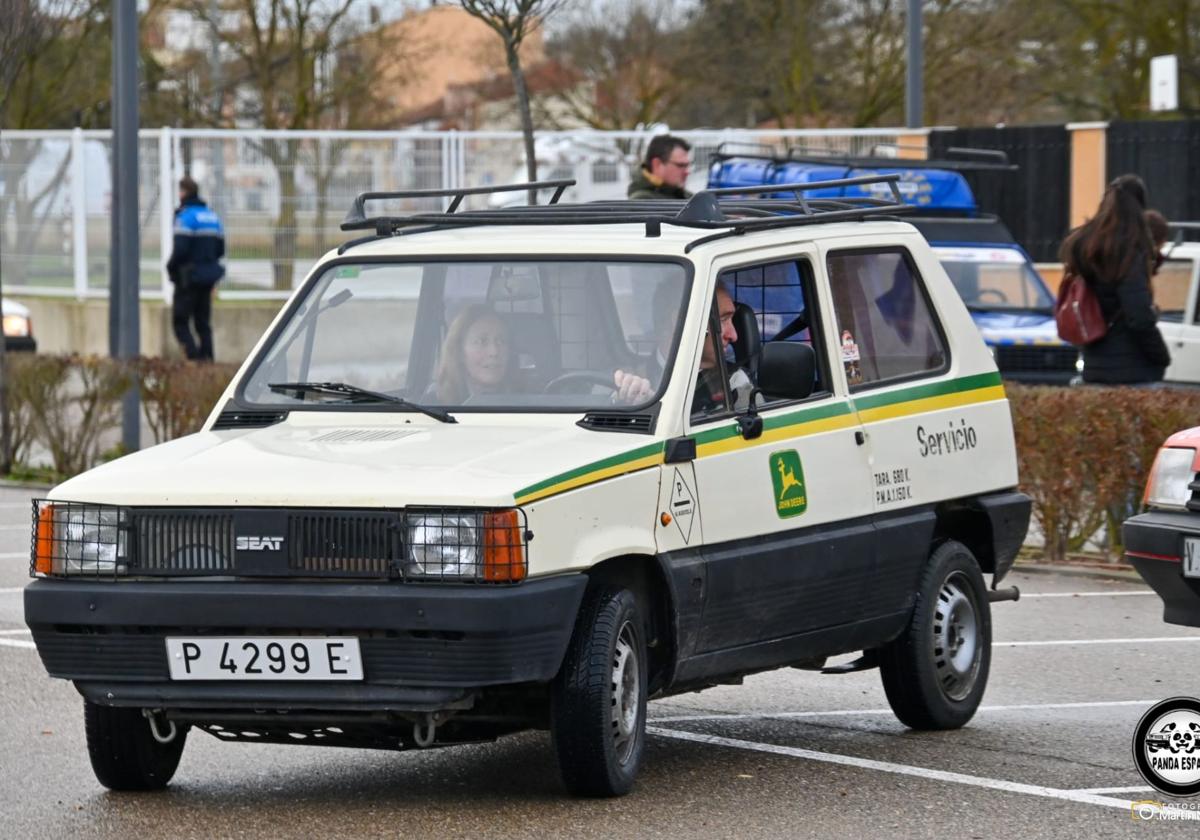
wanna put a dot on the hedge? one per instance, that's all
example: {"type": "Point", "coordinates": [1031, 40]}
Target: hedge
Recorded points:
{"type": "Point", "coordinates": [68, 404]}
{"type": "Point", "coordinates": [1084, 454]}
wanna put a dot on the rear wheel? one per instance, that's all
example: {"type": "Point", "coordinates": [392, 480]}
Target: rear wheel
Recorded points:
{"type": "Point", "coordinates": [935, 672]}
{"type": "Point", "coordinates": [598, 704]}
{"type": "Point", "coordinates": [124, 752]}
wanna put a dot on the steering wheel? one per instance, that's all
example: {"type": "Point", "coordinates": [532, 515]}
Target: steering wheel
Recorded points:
{"type": "Point", "coordinates": [558, 384]}
{"type": "Point", "coordinates": [999, 296]}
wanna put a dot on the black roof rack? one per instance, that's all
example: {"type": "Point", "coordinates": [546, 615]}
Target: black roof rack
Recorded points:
{"type": "Point", "coordinates": [976, 160]}
{"type": "Point", "coordinates": [731, 211]}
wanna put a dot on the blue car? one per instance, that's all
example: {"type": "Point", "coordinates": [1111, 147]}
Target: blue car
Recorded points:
{"type": "Point", "coordinates": [1008, 300]}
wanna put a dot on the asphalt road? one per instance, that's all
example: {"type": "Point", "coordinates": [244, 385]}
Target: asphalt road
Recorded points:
{"type": "Point", "coordinates": [788, 754]}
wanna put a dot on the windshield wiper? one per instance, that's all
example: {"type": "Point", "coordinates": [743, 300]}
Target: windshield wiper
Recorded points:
{"type": "Point", "coordinates": [356, 394]}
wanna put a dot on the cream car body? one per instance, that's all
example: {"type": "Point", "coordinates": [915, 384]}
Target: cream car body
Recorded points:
{"type": "Point", "coordinates": [738, 540]}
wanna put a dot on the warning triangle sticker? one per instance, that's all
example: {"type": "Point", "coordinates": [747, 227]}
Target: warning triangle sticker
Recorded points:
{"type": "Point", "coordinates": [683, 506]}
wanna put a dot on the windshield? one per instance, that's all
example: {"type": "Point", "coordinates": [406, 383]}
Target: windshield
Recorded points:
{"type": "Point", "coordinates": [995, 278]}
{"type": "Point", "coordinates": [518, 335]}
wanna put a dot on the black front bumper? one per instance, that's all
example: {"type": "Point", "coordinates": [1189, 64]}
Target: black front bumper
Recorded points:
{"type": "Point", "coordinates": [1154, 545]}
{"type": "Point", "coordinates": [423, 646]}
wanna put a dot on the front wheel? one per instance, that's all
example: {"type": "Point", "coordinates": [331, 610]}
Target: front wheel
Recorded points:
{"type": "Point", "coordinates": [124, 752]}
{"type": "Point", "coordinates": [935, 672]}
{"type": "Point", "coordinates": [598, 701]}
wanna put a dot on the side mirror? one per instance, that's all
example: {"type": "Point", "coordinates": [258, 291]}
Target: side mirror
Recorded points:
{"type": "Point", "coordinates": [787, 370]}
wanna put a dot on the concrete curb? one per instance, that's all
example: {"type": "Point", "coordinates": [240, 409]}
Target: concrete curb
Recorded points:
{"type": "Point", "coordinates": [1124, 575]}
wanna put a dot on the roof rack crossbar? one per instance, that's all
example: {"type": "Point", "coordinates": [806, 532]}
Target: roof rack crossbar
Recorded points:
{"type": "Point", "coordinates": [998, 155]}
{"type": "Point", "coordinates": [357, 219]}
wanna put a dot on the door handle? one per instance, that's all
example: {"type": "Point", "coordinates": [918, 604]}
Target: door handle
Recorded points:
{"type": "Point", "coordinates": [860, 437]}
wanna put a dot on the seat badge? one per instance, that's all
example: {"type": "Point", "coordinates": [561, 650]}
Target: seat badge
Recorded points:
{"type": "Point", "coordinates": [259, 543]}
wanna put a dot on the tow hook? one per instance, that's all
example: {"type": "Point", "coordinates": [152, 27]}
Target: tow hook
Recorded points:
{"type": "Point", "coordinates": [1009, 594]}
{"type": "Point", "coordinates": [156, 719]}
{"type": "Point", "coordinates": [425, 730]}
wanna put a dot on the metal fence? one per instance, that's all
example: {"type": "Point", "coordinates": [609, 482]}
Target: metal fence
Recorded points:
{"type": "Point", "coordinates": [282, 195]}
{"type": "Point", "coordinates": [1035, 200]}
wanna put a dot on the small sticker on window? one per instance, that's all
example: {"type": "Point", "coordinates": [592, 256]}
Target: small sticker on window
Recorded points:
{"type": "Point", "coordinates": [348, 272]}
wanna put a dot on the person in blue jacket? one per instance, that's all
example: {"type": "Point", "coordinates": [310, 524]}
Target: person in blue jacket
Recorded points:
{"type": "Point", "coordinates": [194, 268]}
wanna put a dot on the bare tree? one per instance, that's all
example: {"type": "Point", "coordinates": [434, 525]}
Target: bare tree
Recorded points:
{"type": "Point", "coordinates": [308, 66]}
{"type": "Point", "coordinates": [624, 58]}
{"type": "Point", "coordinates": [514, 21]}
{"type": "Point", "coordinates": [27, 28]}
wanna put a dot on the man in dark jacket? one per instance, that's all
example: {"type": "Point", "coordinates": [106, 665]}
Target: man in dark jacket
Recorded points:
{"type": "Point", "coordinates": [664, 171]}
{"type": "Point", "coordinates": [194, 268]}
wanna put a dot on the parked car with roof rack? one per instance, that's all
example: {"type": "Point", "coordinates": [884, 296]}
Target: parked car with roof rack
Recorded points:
{"type": "Point", "coordinates": [487, 471]}
{"type": "Point", "coordinates": [1007, 297]}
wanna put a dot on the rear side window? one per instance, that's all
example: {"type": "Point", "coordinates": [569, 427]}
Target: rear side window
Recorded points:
{"type": "Point", "coordinates": [886, 327]}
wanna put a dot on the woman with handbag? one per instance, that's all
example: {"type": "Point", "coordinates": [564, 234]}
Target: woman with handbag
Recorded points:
{"type": "Point", "coordinates": [1114, 255]}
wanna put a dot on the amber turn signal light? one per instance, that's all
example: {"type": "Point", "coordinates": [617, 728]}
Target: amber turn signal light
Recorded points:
{"type": "Point", "coordinates": [503, 547]}
{"type": "Point", "coordinates": [44, 545]}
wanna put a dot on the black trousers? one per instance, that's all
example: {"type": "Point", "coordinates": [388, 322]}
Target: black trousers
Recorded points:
{"type": "Point", "coordinates": [193, 303]}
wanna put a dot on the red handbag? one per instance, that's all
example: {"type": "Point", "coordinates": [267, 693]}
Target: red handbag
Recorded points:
{"type": "Point", "coordinates": [1077, 312]}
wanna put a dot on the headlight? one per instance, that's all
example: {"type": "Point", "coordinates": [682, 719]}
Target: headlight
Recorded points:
{"type": "Point", "coordinates": [81, 539]}
{"type": "Point", "coordinates": [444, 545]}
{"type": "Point", "coordinates": [485, 546]}
{"type": "Point", "coordinates": [16, 326]}
{"type": "Point", "coordinates": [1170, 477]}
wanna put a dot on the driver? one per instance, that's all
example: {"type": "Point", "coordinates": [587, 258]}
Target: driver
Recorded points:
{"type": "Point", "coordinates": [632, 388]}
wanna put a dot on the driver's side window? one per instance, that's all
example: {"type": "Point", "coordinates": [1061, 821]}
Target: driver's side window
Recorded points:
{"type": "Point", "coordinates": [774, 302]}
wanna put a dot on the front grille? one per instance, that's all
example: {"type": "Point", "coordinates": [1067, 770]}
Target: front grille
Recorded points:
{"type": "Point", "coordinates": [344, 543]}
{"type": "Point", "coordinates": [178, 542]}
{"type": "Point", "coordinates": [73, 539]}
{"type": "Point", "coordinates": [1033, 358]}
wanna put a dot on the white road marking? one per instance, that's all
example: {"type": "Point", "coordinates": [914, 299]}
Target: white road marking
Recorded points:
{"type": "Point", "coordinates": [1025, 595]}
{"type": "Point", "coordinates": [1020, 707]}
{"type": "Point", "coordinates": [13, 555]}
{"type": "Point", "coordinates": [17, 643]}
{"type": "Point", "coordinates": [899, 769]}
{"type": "Point", "coordinates": [1050, 642]}
{"type": "Point", "coordinates": [14, 505]}
{"type": "Point", "coordinates": [1142, 789]}
{"type": "Point", "coordinates": [11, 590]}
{"type": "Point", "coordinates": [22, 632]}
{"type": "Point", "coordinates": [24, 527]}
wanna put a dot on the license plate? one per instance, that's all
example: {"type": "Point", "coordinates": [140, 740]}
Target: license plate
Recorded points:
{"type": "Point", "coordinates": [1191, 557]}
{"type": "Point", "coordinates": [264, 658]}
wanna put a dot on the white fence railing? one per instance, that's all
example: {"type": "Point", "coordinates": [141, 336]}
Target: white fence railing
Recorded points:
{"type": "Point", "coordinates": [282, 195]}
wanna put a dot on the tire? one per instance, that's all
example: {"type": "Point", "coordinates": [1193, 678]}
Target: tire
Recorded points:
{"type": "Point", "coordinates": [935, 672]}
{"type": "Point", "coordinates": [598, 700]}
{"type": "Point", "coordinates": [123, 751]}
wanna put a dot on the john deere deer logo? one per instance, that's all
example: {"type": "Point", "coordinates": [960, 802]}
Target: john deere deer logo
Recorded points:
{"type": "Point", "coordinates": [787, 476]}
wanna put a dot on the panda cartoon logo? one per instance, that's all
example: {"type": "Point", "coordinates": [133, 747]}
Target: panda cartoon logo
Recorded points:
{"type": "Point", "coordinates": [1166, 746]}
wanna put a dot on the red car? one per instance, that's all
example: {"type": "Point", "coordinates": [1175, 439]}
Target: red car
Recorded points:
{"type": "Point", "coordinates": [1163, 543]}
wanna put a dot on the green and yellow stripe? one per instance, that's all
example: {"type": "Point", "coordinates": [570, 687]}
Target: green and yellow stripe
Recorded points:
{"type": "Point", "coordinates": [870, 408]}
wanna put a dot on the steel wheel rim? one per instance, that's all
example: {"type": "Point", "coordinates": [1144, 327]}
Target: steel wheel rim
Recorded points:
{"type": "Point", "coordinates": [957, 647]}
{"type": "Point", "coordinates": [625, 693]}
